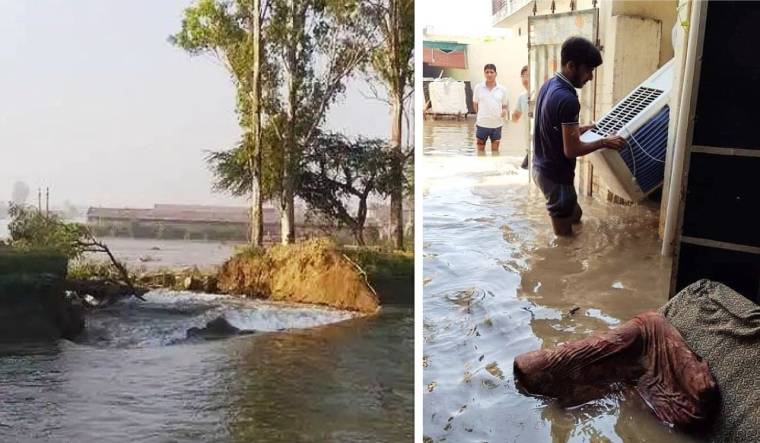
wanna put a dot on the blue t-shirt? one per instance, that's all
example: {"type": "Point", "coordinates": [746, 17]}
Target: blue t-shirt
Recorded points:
{"type": "Point", "coordinates": [557, 104]}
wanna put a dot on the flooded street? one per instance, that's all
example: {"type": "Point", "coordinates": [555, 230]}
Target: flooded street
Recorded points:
{"type": "Point", "coordinates": [498, 283]}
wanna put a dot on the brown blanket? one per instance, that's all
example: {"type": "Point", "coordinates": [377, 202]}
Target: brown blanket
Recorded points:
{"type": "Point", "coordinates": [645, 351]}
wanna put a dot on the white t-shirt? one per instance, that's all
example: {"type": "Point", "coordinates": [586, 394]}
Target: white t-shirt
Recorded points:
{"type": "Point", "coordinates": [489, 104]}
{"type": "Point", "coordinates": [524, 122]}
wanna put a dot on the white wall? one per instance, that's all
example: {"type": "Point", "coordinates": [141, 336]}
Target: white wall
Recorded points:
{"type": "Point", "coordinates": [509, 54]}
{"type": "Point", "coordinates": [662, 10]}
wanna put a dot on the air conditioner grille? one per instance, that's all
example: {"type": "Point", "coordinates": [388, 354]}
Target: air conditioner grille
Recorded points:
{"type": "Point", "coordinates": [625, 111]}
{"type": "Point", "coordinates": [645, 153]}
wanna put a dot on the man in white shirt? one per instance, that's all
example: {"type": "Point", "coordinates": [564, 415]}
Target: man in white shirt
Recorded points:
{"type": "Point", "coordinates": [491, 103]}
{"type": "Point", "coordinates": [521, 117]}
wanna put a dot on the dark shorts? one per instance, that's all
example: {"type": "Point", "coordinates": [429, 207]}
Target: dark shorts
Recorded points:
{"type": "Point", "coordinates": [485, 133]}
{"type": "Point", "coordinates": [560, 199]}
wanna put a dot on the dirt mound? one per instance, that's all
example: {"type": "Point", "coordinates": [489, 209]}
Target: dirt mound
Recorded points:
{"type": "Point", "coordinates": [314, 272]}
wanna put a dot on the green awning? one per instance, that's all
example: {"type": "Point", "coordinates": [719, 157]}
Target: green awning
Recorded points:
{"type": "Point", "coordinates": [445, 46]}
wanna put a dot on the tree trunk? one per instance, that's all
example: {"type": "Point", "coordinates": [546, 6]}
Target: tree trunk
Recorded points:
{"type": "Point", "coordinates": [397, 209]}
{"type": "Point", "coordinates": [398, 85]}
{"type": "Point", "coordinates": [359, 236]}
{"type": "Point", "coordinates": [257, 219]}
{"type": "Point", "coordinates": [287, 199]}
{"type": "Point", "coordinates": [287, 217]}
{"type": "Point", "coordinates": [361, 219]}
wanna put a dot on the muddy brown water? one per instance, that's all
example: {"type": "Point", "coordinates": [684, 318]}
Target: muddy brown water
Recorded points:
{"type": "Point", "coordinates": [498, 283]}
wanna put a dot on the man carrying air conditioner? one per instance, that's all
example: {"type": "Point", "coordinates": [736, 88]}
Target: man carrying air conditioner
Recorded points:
{"type": "Point", "coordinates": [491, 103]}
{"type": "Point", "coordinates": [557, 131]}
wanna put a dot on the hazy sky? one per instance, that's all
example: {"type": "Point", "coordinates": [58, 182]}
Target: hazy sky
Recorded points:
{"type": "Point", "coordinates": [456, 17]}
{"type": "Point", "coordinates": [97, 105]}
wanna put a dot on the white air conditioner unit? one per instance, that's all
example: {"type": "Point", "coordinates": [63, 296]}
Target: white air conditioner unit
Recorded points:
{"type": "Point", "coordinates": [642, 119]}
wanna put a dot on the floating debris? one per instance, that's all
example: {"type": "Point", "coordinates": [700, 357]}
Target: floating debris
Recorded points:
{"type": "Point", "coordinates": [493, 369]}
{"type": "Point", "coordinates": [597, 313]}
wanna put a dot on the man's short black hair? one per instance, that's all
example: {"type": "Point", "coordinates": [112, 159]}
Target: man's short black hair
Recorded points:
{"type": "Point", "coordinates": [580, 51]}
{"type": "Point", "coordinates": [524, 70]}
{"type": "Point", "coordinates": [489, 66]}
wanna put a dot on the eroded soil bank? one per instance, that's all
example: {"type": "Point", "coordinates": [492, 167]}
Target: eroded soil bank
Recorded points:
{"type": "Point", "coordinates": [315, 272]}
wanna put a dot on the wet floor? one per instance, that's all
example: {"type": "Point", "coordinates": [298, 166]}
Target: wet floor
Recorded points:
{"type": "Point", "coordinates": [498, 283]}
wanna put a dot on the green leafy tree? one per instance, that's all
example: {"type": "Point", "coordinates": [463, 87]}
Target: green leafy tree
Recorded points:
{"type": "Point", "coordinates": [32, 230]}
{"type": "Point", "coordinates": [393, 65]}
{"type": "Point", "coordinates": [318, 44]}
{"type": "Point", "coordinates": [307, 49]}
{"type": "Point", "coordinates": [230, 31]}
{"type": "Point", "coordinates": [339, 174]}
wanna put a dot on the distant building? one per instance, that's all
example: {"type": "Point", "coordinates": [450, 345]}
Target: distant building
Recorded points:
{"type": "Point", "coordinates": [170, 221]}
{"type": "Point", "coordinates": [197, 222]}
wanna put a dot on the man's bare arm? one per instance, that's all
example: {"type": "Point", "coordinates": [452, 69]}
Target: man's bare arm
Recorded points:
{"type": "Point", "coordinates": [516, 116]}
{"type": "Point", "coordinates": [574, 147]}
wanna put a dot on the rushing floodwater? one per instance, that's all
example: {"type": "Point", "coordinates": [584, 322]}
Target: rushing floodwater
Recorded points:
{"type": "Point", "coordinates": [311, 374]}
{"type": "Point", "coordinates": [497, 283]}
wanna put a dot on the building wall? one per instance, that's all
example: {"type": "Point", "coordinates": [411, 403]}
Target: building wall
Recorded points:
{"type": "Point", "coordinates": [636, 40]}
{"type": "Point", "coordinates": [632, 63]}
{"type": "Point", "coordinates": [664, 11]}
{"type": "Point", "coordinates": [509, 54]}
{"type": "Point", "coordinates": [177, 230]}
{"type": "Point", "coordinates": [628, 30]}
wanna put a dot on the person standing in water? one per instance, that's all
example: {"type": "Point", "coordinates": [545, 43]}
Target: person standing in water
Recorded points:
{"type": "Point", "coordinates": [491, 103]}
{"type": "Point", "coordinates": [521, 116]}
{"type": "Point", "coordinates": [557, 131]}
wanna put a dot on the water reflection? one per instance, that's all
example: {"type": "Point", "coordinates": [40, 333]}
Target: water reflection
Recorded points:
{"type": "Point", "coordinates": [350, 386]}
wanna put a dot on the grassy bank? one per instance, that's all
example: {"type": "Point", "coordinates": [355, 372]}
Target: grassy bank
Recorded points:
{"type": "Point", "coordinates": [314, 272]}
{"type": "Point", "coordinates": [391, 273]}
{"type": "Point", "coordinates": [17, 262]}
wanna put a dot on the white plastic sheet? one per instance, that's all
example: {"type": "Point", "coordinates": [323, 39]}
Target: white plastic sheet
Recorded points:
{"type": "Point", "coordinates": [448, 97]}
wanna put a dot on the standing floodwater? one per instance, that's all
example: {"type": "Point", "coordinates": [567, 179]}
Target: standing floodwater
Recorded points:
{"type": "Point", "coordinates": [307, 374]}
{"type": "Point", "coordinates": [498, 283]}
